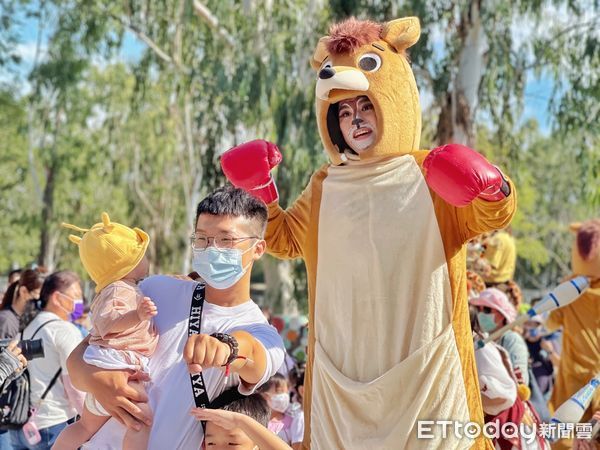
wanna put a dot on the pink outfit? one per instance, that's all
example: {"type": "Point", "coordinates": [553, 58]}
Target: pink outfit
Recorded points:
{"type": "Point", "coordinates": [108, 309]}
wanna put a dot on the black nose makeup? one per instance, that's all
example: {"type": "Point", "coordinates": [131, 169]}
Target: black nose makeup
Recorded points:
{"type": "Point", "coordinates": [326, 73]}
{"type": "Point", "coordinates": [357, 121]}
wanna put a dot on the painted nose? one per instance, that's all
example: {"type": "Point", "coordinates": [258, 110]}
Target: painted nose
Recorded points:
{"type": "Point", "coordinates": [356, 122]}
{"type": "Point", "coordinates": [326, 73]}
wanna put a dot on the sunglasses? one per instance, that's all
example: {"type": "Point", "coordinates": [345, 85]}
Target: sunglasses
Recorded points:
{"type": "Point", "coordinates": [485, 309]}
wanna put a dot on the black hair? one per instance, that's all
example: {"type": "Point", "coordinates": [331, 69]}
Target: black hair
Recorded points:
{"type": "Point", "coordinates": [297, 376]}
{"type": "Point", "coordinates": [275, 381]}
{"type": "Point", "coordinates": [30, 278]}
{"type": "Point", "coordinates": [14, 272]}
{"type": "Point", "coordinates": [231, 201]}
{"type": "Point", "coordinates": [254, 406]}
{"type": "Point", "coordinates": [474, 320]}
{"type": "Point", "coordinates": [58, 281]}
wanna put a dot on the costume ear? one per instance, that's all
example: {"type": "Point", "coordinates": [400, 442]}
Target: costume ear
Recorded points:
{"type": "Point", "coordinates": [319, 55]}
{"type": "Point", "coordinates": [574, 227]}
{"type": "Point", "coordinates": [402, 33]}
{"type": "Point", "coordinates": [108, 226]}
{"type": "Point", "coordinates": [74, 239]}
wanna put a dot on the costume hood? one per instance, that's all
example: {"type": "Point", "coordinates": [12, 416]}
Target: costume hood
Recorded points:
{"type": "Point", "coordinates": [366, 58]}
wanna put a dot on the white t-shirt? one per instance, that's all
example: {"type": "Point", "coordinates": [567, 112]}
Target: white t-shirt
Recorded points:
{"type": "Point", "coordinates": [60, 338]}
{"type": "Point", "coordinates": [170, 393]}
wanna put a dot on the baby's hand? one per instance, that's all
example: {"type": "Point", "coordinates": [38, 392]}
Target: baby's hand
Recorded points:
{"type": "Point", "coordinates": [146, 309]}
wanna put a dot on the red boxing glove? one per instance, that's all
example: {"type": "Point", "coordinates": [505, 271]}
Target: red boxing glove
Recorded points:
{"type": "Point", "coordinates": [459, 175]}
{"type": "Point", "coordinates": [248, 166]}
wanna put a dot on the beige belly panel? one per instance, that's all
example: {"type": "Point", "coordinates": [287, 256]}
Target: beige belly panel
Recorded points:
{"type": "Point", "coordinates": [385, 351]}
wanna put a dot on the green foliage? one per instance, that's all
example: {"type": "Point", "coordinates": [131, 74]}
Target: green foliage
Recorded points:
{"type": "Point", "coordinates": [141, 139]}
{"type": "Point", "coordinates": [18, 217]}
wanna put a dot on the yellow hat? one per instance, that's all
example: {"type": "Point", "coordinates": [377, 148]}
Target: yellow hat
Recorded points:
{"type": "Point", "coordinates": [109, 250]}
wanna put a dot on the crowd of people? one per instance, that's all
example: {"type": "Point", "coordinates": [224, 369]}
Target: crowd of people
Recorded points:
{"type": "Point", "coordinates": [516, 372]}
{"type": "Point", "coordinates": [400, 327]}
{"type": "Point", "coordinates": [97, 360]}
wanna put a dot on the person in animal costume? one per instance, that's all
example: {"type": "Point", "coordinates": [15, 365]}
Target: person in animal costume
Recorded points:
{"type": "Point", "coordinates": [382, 230]}
{"type": "Point", "coordinates": [580, 321]}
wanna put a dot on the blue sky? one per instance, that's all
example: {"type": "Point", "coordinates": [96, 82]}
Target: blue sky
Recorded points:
{"type": "Point", "coordinates": [536, 100]}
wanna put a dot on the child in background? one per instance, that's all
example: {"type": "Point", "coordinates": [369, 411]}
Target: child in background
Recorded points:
{"type": "Point", "coordinates": [122, 335]}
{"type": "Point", "coordinates": [287, 424]}
{"type": "Point", "coordinates": [297, 381]}
{"type": "Point", "coordinates": [542, 353]}
{"type": "Point", "coordinates": [240, 425]}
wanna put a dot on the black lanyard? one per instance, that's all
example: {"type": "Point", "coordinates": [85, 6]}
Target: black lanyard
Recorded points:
{"type": "Point", "coordinates": [198, 387]}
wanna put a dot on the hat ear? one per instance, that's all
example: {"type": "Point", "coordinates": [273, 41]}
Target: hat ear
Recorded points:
{"type": "Point", "coordinates": [574, 227]}
{"type": "Point", "coordinates": [73, 227]}
{"type": "Point", "coordinates": [74, 239]}
{"type": "Point", "coordinates": [402, 33]}
{"type": "Point", "coordinates": [141, 234]}
{"type": "Point", "coordinates": [108, 226]}
{"type": "Point", "coordinates": [319, 55]}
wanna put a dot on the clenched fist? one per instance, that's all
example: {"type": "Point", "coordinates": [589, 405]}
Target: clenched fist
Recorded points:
{"type": "Point", "coordinates": [202, 351]}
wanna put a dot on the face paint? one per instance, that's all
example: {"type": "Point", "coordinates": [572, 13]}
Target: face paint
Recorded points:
{"type": "Point", "coordinates": [358, 123]}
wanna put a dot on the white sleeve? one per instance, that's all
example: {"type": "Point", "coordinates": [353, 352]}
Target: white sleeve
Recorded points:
{"type": "Point", "coordinates": [297, 427]}
{"type": "Point", "coordinates": [66, 338]}
{"type": "Point", "coordinates": [272, 343]}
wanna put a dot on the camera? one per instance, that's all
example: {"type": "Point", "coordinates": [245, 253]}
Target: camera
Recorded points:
{"type": "Point", "coordinates": [30, 348]}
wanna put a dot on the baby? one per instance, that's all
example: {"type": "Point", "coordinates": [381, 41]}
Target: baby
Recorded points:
{"type": "Point", "coordinates": [122, 335]}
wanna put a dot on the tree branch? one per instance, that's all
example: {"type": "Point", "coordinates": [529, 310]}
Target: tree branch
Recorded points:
{"type": "Point", "coordinates": [136, 182]}
{"type": "Point", "coordinates": [178, 38]}
{"type": "Point", "coordinates": [213, 22]}
{"type": "Point", "coordinates": [146, 40]}
{"type": "Point", "coordinates": [555, 40]}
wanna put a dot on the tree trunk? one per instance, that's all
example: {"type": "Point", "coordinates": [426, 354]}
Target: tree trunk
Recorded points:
{"type": "Point", "coordinates": [280, 286]}
{"type": "Point", "coordinates": [457, 115]}
{"type": "Point", "coordinates": [46, 254]}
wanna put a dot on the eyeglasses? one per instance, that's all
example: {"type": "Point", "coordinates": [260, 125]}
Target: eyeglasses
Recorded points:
{"type": "Point", "coordinates": [199, 242]}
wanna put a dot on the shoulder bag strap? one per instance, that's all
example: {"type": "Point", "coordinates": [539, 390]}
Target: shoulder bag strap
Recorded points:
{"type": "Point", "coordinates": [58, 372]}
{"type": "Point", "coordinates": [198, 387]}
{"type": "Point", "coordinates": [52, 382]}
{"type": "Point", "coordinates": [40, 327]}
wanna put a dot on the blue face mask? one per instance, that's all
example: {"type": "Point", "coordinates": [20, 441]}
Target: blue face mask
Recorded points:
{"type": "Point", "coordinates": [221, 268]}
{"type": "Point", "coordinates": [487, 322]}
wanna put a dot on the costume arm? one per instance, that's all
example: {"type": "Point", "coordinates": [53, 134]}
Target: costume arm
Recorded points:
{"type": "Point", "coordinates": [555, 320]}
{"type": "Point", "coordinates": [482, 216]}
{"type": "Point", "coordinates": [287, 229]}
{"type": "Point", "coordinates": [479, 216]}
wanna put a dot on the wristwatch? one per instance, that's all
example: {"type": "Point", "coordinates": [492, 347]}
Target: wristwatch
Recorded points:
{"type": "Point", "coordinates": [233, 345]}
